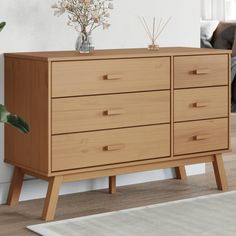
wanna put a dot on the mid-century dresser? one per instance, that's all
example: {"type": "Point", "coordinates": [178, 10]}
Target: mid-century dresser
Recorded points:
{"type": "Point", "coordinates": [113, 112]}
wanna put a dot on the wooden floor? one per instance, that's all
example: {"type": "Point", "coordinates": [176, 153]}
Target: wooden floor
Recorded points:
{"type": "Point", "coordinates": [13, 220]}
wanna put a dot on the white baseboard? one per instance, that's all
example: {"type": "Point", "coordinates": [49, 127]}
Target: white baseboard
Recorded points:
{"type": "Point", "coordinates": [34, 188]}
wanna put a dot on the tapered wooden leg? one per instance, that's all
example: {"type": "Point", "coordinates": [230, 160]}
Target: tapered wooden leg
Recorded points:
{"type": "Point", "coordinates": [15, 187]}
{"type": "Point", "coordinates": [50, 203]}
{"type": "Point", "coordinates": [221, 179]}
{"type": "Point", "coordinates": [112, 184]}
{"type": "Point", "coordinates": [181, 173]}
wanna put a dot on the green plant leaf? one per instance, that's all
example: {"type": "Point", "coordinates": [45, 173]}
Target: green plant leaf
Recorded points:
{"type": "Point", "coordinates": [18, 123]}
{"type": "Point", "coordinates": [7, 117]}
{"type": "Point", "coordinates": [2, 25]}
{"type": "Point", "coordinates": [14, 120]}
{"type": "Point", "coordinates": [3, 114]}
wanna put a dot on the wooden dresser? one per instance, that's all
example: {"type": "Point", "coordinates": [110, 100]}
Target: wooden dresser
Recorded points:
{"type": "Point", "coordinates": [114, 112]}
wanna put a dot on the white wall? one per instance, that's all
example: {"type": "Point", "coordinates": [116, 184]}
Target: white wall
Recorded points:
{"type": "Point", "coordinates": [31, 26]}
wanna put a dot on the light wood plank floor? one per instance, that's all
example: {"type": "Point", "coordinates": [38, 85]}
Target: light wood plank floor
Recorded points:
{"type": "Point", "coordinates": [13, 220]}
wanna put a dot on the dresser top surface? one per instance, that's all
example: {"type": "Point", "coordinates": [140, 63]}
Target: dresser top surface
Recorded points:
{"type": "Point", "coordinates": [115, 54]}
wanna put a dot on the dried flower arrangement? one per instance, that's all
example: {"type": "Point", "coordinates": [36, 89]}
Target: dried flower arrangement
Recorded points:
{"type": "Point", "coordinates": [154, 31]}
{"type": "Point", "coordinates": [85, 15]}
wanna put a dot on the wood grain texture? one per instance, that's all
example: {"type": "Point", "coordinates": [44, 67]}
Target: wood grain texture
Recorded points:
{"type": "Point", "coordinates": [214, 133]}
{"type": "Point", "coordinates": [229, 96]}
{"type": "Point", "coordinates": [13, 221]}
{"type": "Point", "coordinates": [50, 203]}
{"type": "Point", "coordinates": [181, 173]}
{"type": "Point", "coordinates": [112, 184]}
{"type": "Point", "coordinates": [172, 107]}
{"type": "Point", "coordinates": [110, 111]}
{"type": "Point", "coordinates": [140, 165]}
{"type": "Point", "coordinates": [94, 136]}
{"type": "Point", "coordinates": [201, 103]}
{"type": "Point", "coordinates": [90, 77]}
{"type": "Point", "coordinates": [126, 169]}
{"type": "Point", "coordinates": [185, 67]}
{"type": "Point", "coordinates": [27, 94]}
{"type": "Point", "coordinates": [116, 54]}
{"type": "Point", "coordinates": [15, 187]}
{"type": "Point", "coordinates": [73, 151]}
{"type": "Point", "coordinates": [219, 170]}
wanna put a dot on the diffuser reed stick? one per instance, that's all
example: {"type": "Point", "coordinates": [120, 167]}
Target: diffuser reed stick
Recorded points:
{"type": "Point", "coordinates": [154, 31]}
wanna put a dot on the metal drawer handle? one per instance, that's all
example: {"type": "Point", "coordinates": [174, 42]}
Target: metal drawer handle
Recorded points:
{"type": "Point", "coordinates": [202, 71]}
{"type": "Point", "coordinates": [201, 137]}
{"type": "Point", "coordinates": [200, 104]}
{"type": "Point", "coordinates": [113, 112]}
{"type": "Point", "coordinates": [114, 147]}
{"type": "Point", "coordinates": [112, 77]}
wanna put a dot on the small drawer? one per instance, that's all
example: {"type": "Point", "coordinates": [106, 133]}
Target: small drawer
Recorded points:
{"type": "Point", "coordinates": [88, 149]}
{"type": "Point", "coordinates": [201, 71]}
{"type": "Point", "coordinates": [201, 136]}
{"type": "Point", "coordinates": [77, 78]}
{"type": "Point", "coordinates": [201, 103]}
{"type": "Point", "coordinates": [110, 111]}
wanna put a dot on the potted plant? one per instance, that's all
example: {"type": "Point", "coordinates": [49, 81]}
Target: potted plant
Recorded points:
{"type": "Point", "coordinates": [7, 117]}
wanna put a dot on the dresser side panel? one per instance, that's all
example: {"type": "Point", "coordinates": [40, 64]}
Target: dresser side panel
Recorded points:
{"type": "Point", "coordinates": [27, 93]}
{"type": "Point", "coordinates": [229, 99]}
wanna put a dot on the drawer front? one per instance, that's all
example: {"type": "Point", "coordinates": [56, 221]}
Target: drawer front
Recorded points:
{"type": "Point", "coordinates": [76, 78]}
{"type": "Point", "coordinates": [110, 111]}
{"type": "Point", "coordinates": [201, 103]}
{"type": "Point", "coordinates": [201, 136]}
{"type": "Point", "coordinates": [88, 149]}
{"type": "Point", "coordinates": [200, 71]}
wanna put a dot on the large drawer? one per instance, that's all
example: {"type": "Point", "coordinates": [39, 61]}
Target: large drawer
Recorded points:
{"type": "Point", "coordinates": [110, 111]}
{"type": "Point", "coordinates": [201, 136]}
{"type": "Point", "coordinates": [80, 150]}
{"type": "Point", "coordinates": [76, 78]}
{"type": "Point", "coordinates": [200, 71]}
{"type": "Point", "coordinates": [201, 103]}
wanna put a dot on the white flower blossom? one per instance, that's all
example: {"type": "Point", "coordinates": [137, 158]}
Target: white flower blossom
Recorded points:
{"type": "Point", "coordinates": [85, 15]}
{"type": "Point", "coordinates": [110, 5]}
{"type": "Point", "coordinates": [106, 25]}
{"type": "Point", "coordinates": [54, 5]}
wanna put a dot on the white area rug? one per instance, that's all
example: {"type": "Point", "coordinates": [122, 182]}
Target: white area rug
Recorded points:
{"type": "Point", "coordinates": [212, 215]}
